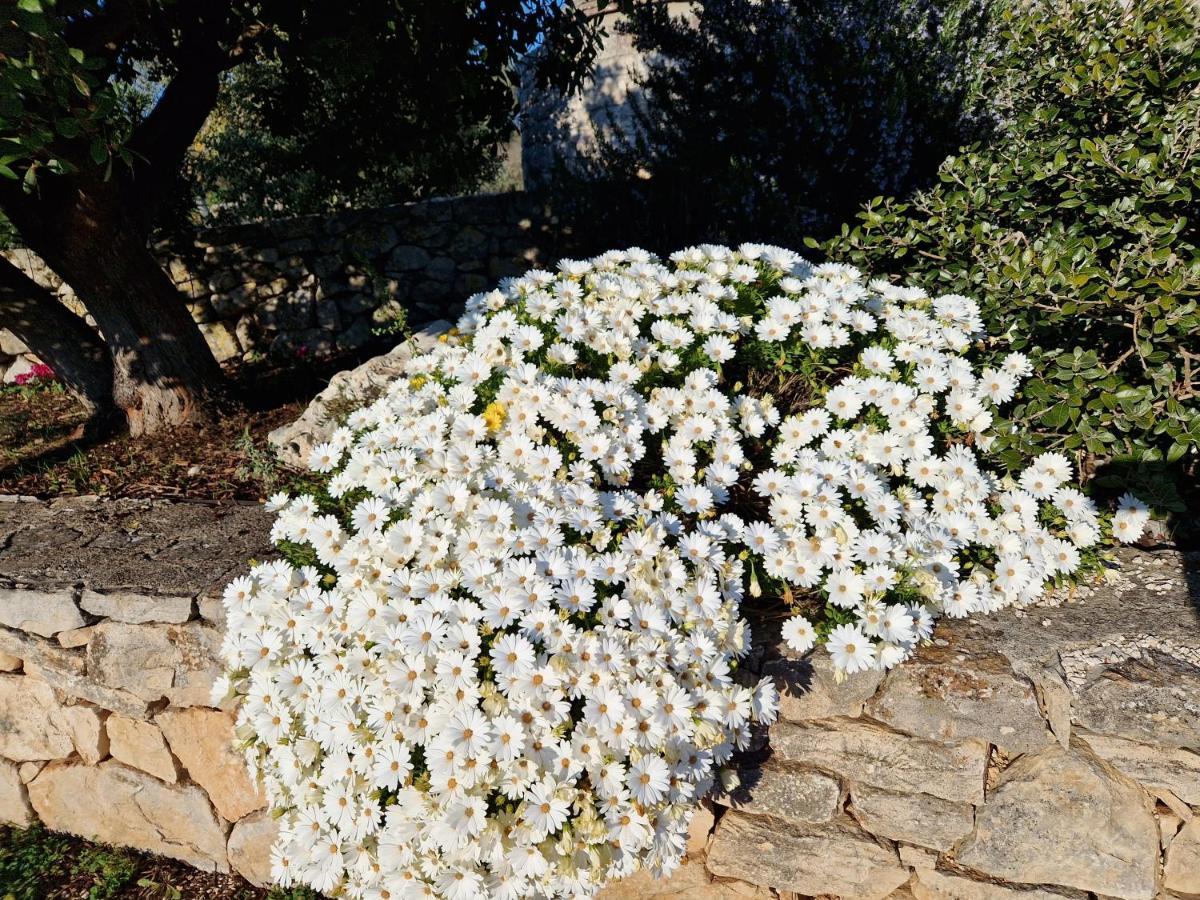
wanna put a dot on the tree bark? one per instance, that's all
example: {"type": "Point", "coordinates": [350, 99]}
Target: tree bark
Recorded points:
{"type": "Point", "coordinates": [60, 338]}
{"type": "Point", "coordinates": [163, 371]}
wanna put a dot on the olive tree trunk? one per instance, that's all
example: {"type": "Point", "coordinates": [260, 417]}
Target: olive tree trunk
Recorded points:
{"type": "Point", "coordinates": [60, 338]}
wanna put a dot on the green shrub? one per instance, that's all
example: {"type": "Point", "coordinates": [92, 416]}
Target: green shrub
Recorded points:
{"type": "Point", "coordinates": [1077, 227]}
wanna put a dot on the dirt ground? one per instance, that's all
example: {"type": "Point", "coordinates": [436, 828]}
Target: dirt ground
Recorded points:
{"type": "Point", "coordinates": [222, 460]}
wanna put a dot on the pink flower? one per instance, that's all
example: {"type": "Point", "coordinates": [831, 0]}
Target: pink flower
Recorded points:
{"type": "Point", "coordinates": [39, 372]}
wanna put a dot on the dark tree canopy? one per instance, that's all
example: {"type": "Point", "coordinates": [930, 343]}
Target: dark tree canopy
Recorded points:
{"type": "Point", "coordinates": [101, 102]}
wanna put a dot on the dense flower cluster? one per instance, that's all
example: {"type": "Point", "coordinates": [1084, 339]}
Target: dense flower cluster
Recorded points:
{"type": "Point", "coordinates": [37, 372]}
{"type": "Point", "coordinates": [502, 659]}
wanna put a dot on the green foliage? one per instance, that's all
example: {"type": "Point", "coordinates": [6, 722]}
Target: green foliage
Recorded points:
{"type": "Point", "coordinates": [1077, 229]}
{"type": "Point", "coordinates": [321, 103]}
{"type": "Point", "coordinates": [34, 859]}
{"type": "Point", "coordinates": [58, 107]}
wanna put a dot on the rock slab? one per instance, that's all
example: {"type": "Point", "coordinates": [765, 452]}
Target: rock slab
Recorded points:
{"type": "Point", "coordinates": [114, 804]}
{"type": "Point", "coordinates": [1066, 817]}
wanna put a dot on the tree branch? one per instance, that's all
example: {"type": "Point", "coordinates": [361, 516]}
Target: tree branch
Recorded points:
{"type": "Point", "coordinates": [160, 142]}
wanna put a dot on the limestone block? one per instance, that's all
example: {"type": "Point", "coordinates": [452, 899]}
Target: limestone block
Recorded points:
{"type": "Point", "coordinates": [114, 804]}
{"type": "Point", "coordinates": [141, 745]}
{"type": "Point", "coordinates": [249, 847]}
{"type": "Point", "coordinates": [1182, 872]}
{"type": "Point", "coordinates": [76, 637]}
{"type": "Point", "coordinates": [33, 724]}
{"type": "Point", "coordinates": [407, 258]}
{"type": "Point", "coordinates": [43, 613]}
{"type": "Point", "coordinates": [221, 341]}
{"type": "Point", "coordinates": [29, 770]}
{"type": "Point", "coordinates": [1154, 699]}
{"type": "Point", "coordinates": [947, 695]}
{"type": "Point", "coordinates": [808, 689]}
{"type": "Point", "coordinates": [915, 818]}
{"type": "Point", "coordinates": [88, 733]}
{"type": "Point", "coordinates": [688, 882]}
{"type": "Point", "coordinates": [931, 884]}
{"type": "Point", "coordinates": [135, 609]}
{"type": "Point", "coordinates": [1066, 817]}
{"type": "Point", "coordinates": [202, 741]}
{"type": "Point", "coordinates": [1162, 767]}
{"type": "Point", "coordinates": [699, 829]}
{"type": "Point", "coordinates": [811, 859]}
{"type": "Point", "coordinates": [786, 792]}
{"type": "Point", "coordinates": [179, 662]}
{"type": "Point", "coordinates": [14, 800]}
{"type": "Point", "coordinates": [872, 755]}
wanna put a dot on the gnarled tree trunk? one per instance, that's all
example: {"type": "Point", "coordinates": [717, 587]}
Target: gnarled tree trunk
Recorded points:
{"type": "Point", "coordinates": [163, 371]}
{"type": "Point", "coordinates": [60, 338]}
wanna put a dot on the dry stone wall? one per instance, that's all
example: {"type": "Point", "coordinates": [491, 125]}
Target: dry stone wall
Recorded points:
{"type": "Point", "coordinates": [1041, 754]}
{"type": "Point", "coordinates": [314, 285]}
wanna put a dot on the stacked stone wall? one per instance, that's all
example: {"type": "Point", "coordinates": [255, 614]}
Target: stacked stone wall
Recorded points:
{"type": "Point", "coordinates": [316, 285]}
{"type": "Point", "coordinates": [1039, 754]}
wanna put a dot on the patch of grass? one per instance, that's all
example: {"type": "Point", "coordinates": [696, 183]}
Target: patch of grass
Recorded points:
{"type": "Point", "coordinates": [38, 864]}
{"type": "Point", "coordinates": [34, 860]}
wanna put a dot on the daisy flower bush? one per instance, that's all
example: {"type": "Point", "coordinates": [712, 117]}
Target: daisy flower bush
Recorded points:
{"type": "Point", "coordinates": [500, 655]}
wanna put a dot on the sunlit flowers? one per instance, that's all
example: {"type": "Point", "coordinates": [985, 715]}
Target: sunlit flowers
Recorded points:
{"type": "Point", "coordinates": [502, 657]}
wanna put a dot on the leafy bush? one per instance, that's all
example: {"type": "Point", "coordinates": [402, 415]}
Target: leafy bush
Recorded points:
{"type": "Point", "coordinates": [777, 119]}
{"type": "Point", "coordinates": [501, 657]}
{"type": "Point", "coordinates": [1078, 228]}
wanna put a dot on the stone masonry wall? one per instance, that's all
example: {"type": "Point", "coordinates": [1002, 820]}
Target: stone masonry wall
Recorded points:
{"type": "Point", "coordinates": [1041, 754]}
{"type": "Point", "coordinates": [313, 285]}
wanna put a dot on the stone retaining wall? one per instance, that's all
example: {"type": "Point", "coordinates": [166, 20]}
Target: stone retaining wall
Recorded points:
{"type": "Point", "coordinates": [1035, 755]}
{"type": "Point", "coordinates": [315, 284]}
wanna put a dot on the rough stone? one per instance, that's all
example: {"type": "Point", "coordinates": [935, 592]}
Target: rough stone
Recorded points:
{"type": "Point", "coordinates": [1176, 770]}
{"type": "Point", "coordinates": [88, 734]}
{"type": "Point", "coordinates": [10, 344]}
{"type": "Point", "coordinates": [9, 663]}
{"type": "Point", "coordinates": [141, 745]}
{"type": "Point", "coordinates": [1065, 817]}
{"type": "Point", "coordinates": [76, 637]}
{"type": "Point", "coordinates": [688, 882]}
{"type": "Point", "coordinates": [82, 688]}
{"type": "Point", "coordinates": [221, 340]}
{"type": "Point", "coordinates": [808, 689]}
{"type": "Point", "coordinates": [356, 334]}
{"type": "Point", "coordinates": [202, 741]}
{"type": "Point", "coordinates": [14, 800]}
{"type": "Point", "coordinates": [931, 884]}
{"type": "Point", "coordinates": [345, 391]}
{"type": "Point", "coordinates": [700, 828]}
{"type": "Point", "coordinates": [786, 792]}
{"type": "Point", "coordinates": [1154, 699]}
{"type": "Point", "coordinates": [915, 818]}
{"type": "Point", "coordinates": [114, 804]}
{"type": "Point", "coordinates": [33, 724]}
{"type": "Point", "coordinates": [872, 755]}
{"type": "Point", "coordinates": [29, 770]}
{"type": "Point", "coordinates": [948, 695]}
{"type": "Point", "coordinates": [178, 662]}
{"type": "Point", "coordinates": [809, 859]}
{"type": "Point", "coordinates": [407, 258]}
{"type": "Point", "coordinates": [249, 847]}
{"type": "Point", "coordinates": [136, 609]}
{"type": "Point", "coordinates": [20, 366]}
{"type": "Point", "coordinates": [44, 613]}
{"type": "Point", "coordinates": [1182, 871]}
